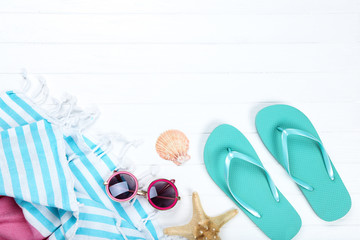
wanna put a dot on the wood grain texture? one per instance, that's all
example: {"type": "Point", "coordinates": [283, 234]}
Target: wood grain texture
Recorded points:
{"type": "Point", "coordinates": [182, 29]}
{"type": "Point", "coordinates": [150, 66]}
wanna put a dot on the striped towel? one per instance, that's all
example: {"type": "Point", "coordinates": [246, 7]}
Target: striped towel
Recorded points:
{"type": "Point", "coordinates": [56, 176]}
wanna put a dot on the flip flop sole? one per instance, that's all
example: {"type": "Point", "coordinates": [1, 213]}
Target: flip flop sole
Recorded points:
{"type": "Point", "coordinates": [279, 220]}
{"type": "Point", "coordinates": [330, 200]}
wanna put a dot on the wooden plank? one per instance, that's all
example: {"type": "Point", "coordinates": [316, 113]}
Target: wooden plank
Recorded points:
{"type": "Point", "coordinates": [136, 119]}
{"type": "Point", "coordinates": [348, 173]}
{"type": "Point", "coordinates": [186, 6]}
{"type": "Point", "coordinates": [321, 232]}
{"type": "Point", "coordinates": [154, 28]}
{"type": "Point", "coordinates": [200, 88]}
{"type": "Point", "coordinates": [210, 201]}
{"type": "Point", "coordinates": [341, 146]}
{"type": "Point", "coordinates": [212, 196]}
{"type": "Point", "coordinates": [180, 58]}
{"type": "Point", "coordinates": [204, 88]}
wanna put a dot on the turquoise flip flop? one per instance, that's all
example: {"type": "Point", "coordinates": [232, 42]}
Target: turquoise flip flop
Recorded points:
{"type": "Point", "coordinates": [235, 167]}
{"type": "Point", "coordinates": [293, 141]}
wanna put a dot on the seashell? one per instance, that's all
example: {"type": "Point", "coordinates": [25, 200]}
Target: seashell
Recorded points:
{"type": "Point", "coordinates": [173, 145]}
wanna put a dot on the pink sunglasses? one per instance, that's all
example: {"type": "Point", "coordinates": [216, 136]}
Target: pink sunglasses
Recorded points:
{"type": "Point", "coordinates": [123, 186]}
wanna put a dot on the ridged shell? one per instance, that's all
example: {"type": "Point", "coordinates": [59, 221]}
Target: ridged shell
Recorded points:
{"type": "Point", "coordinates": [173, 145]}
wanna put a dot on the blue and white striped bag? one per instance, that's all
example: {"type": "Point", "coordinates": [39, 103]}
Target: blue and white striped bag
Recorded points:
{"type": "Point", "coordinates": [56, 176]}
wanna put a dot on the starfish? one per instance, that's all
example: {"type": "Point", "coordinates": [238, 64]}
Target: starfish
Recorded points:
{"type": "Point", "coordinates": [201, 225]}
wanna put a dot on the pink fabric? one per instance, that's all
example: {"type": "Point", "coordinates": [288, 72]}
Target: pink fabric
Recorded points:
{"type": "Point", "coordinates": [13, 224]}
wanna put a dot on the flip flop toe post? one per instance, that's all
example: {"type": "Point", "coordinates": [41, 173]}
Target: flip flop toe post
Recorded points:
{"type": "Point", "coordinates": [235, 167]}
{"type": "Point", "coordinates": [295, 144]}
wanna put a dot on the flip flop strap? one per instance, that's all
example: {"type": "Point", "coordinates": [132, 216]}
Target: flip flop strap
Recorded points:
{"type": "Point", "coordinates": [285, 133]}
{"type": "Point", "coordinates": [240, 156]}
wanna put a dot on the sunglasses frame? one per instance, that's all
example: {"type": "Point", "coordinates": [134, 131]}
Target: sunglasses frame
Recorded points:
{"type": "Point", "coordinates": [141, 192]}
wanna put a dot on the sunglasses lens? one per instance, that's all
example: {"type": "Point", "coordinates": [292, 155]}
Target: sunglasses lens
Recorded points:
{"type": "Point", "coordinates": [162, 194]}
{"type": "Point", "coordinates": [122, 186]}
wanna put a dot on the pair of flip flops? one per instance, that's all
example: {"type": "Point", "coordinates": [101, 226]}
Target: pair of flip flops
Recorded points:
{"type": "Point", "coordinates": [289, 135]}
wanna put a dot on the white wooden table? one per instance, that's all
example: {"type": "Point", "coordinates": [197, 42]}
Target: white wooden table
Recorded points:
{"type": "Point", "coordinates": [193, 64]}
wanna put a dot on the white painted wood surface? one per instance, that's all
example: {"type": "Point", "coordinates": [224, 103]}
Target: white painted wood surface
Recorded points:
{"type": "Point", "coordinates": [191, 65]}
